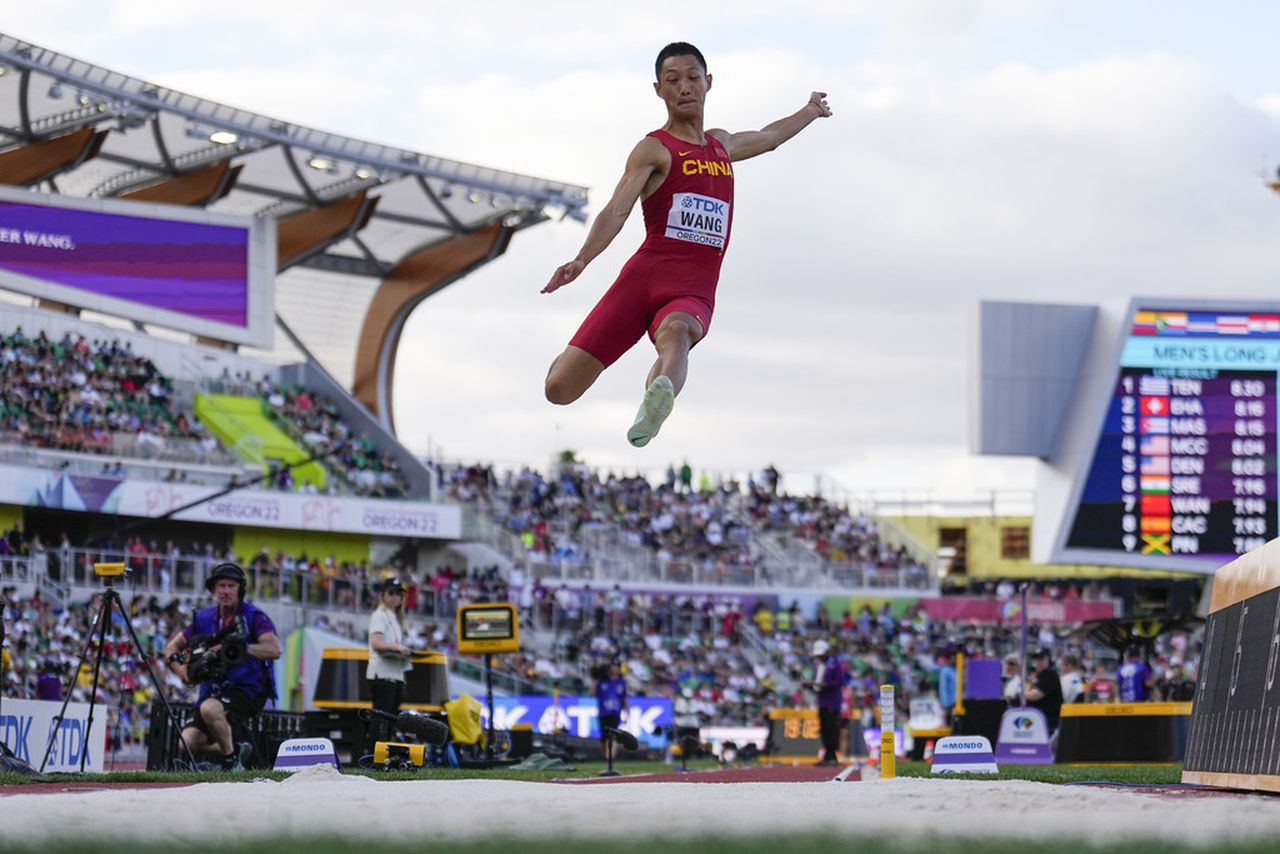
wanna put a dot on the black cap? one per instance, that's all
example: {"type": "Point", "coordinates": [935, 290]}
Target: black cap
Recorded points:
{"type": "Point", "coordinates": [1042, 653]}
{"type": "Point", "coordinates": [226, 570]}
{"type": "Point", "coordinates": [392, 585]}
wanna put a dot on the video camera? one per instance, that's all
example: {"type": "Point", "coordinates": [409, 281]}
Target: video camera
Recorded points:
{"type": "Point", "coordinates": [207, 661]}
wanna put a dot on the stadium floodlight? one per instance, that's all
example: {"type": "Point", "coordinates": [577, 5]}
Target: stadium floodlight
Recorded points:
{"type": "Point", "coordinates": [364, 173]}
{"type": "Point", "coordinates": [55, 90]}
{"type": "Point", "coordinates": [323, 164]}
{"type": "Point", "coordinates": [224, 137]}
{"type": "Point", "coordinates": [445, 191]}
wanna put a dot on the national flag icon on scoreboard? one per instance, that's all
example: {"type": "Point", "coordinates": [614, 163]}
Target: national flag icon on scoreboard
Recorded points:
{"type": "Point", "coordinates": [1154, 484]}
{"type": "Point", "coordinates": [1156, 525]}
{"type": "Point", "coordinates": [1154, 446]}
{"type": "Point", "coordinates": [1153, 385]}
{"type": "Point", "coordinates": [1171, 323]}
{"type": "Point", "coordinates": [1154, 425]}
{"type": "Point", "coordinates": [1156, 544]}
{"type": "Point", "coordinates": [1156, 504]}
{"type": "Point", "coordinates": [1155, 406]}
{"type": "Point", "coordinates": [1232, 324]}
{"type": "Point", "coordinates": [1264, 324]}
{"type": "Point", "coordinates": [1202, 323]}
{"type": "Point", "coordinates": [1144, 323]}
{"type": "Point", "coordinates": [1154, 465]}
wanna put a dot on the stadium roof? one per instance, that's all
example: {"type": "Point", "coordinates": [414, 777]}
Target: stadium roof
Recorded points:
{"type": "Point", "coordinates": [351, 215]}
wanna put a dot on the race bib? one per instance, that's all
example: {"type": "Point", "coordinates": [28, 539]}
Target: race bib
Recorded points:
{"type": "Point", "coordinates": [698, 219]}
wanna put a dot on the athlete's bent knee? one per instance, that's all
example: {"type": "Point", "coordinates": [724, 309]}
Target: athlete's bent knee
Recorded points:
{"type": "Point", "coordinates": [560, 392]}
{"type": "Point", "coordinates": [678, 329]}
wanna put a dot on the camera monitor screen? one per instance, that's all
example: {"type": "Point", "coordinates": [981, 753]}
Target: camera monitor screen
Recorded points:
{"type": "Point", "coordinates": [488, 628]}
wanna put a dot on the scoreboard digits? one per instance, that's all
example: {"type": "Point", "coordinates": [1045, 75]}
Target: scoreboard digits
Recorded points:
{"type": "Point", "coordinates": [1185, 464]}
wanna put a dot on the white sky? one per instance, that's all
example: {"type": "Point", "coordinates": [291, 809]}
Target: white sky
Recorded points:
{"type": "Point", "coordinates": [1010, 149]}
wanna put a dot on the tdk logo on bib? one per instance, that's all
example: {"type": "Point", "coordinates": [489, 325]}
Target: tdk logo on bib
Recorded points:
{"type": "Point", "coordinates": [698, 219]}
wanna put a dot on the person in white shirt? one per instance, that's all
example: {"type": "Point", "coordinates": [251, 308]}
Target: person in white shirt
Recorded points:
{"type": "Point", "coordinates": [1072, 678]}
{"type": "Point", "coordinates": [389, 657]}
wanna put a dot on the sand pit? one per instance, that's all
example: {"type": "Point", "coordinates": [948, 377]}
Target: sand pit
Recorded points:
{"type": "Point", "coordinates": [322, 801]}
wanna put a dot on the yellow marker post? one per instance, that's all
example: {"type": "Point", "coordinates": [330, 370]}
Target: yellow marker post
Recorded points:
{"type": "Point", "coordinates": [958, 709]}
{"type": "Point", "coordinates": [888, 757]}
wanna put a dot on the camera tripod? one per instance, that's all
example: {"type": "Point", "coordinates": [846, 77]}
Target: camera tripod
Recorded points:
{"type": "Point", "coordinates": [110, 600]}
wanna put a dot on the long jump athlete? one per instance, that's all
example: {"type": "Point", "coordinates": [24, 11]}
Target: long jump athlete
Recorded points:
{"type": "Point", "coordinates": [683, 176]}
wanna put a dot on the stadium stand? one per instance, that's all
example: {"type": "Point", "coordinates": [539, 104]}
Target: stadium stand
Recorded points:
{"type": "Point", "coordinates": [683, 581]}
{"type": "Point", "coordinates": [581, 524]}
{"type": "Point", "coordinates": [243, 425]}
{"type": "Point", "coordinates": [93, 396]}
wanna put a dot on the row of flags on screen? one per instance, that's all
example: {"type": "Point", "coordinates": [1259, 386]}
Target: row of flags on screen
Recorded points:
{"type": "Point", "coordinates": [1205, 323]}
{"type": "Point", "coordinates": [1153, 455]}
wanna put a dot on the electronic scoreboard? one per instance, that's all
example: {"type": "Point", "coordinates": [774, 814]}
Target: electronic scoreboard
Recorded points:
{"type": "Point", "coordinates": [1183, 466]}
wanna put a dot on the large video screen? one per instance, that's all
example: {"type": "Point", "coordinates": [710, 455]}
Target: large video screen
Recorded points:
{"type": "Point", "coordinates": [178, 267]}
{"type": "Point", "coordinates": [1185, 463]}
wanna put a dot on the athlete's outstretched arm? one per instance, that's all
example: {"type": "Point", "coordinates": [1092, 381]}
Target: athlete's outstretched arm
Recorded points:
{"type": "Point", "coordinates": [649, 156]}
{"type": "Point", "coordinates": [749, 143]}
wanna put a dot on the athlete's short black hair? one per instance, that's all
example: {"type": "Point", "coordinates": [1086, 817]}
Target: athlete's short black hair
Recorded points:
{"type": "Point", "coordinates": [677, 49]}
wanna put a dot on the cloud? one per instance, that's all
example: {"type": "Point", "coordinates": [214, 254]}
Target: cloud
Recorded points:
{"type": "Point", "coordinates": [957, 168]}
{"type": "Point", "coordinates": [861, 247]}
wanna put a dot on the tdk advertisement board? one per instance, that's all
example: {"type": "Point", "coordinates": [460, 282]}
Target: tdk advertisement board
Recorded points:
{"type": "Point", "coordinates": [647, 718]}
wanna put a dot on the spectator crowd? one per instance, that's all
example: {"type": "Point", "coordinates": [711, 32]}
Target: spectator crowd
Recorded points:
{"type": "Point", "coordinates": [79, 395]}
{"type": "Point", "coordinates": [713, 532]}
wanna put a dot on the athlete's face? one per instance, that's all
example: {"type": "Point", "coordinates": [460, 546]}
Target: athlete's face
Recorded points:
{"type": "Point", "coordinates": [683, 85]}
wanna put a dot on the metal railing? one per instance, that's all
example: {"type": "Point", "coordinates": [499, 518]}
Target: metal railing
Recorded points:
{"type": "Point", "coordinates": [16, 569]}
{"type": "Point", "coordinates": [184, 575]}
{"type": "Point", "coordinates": [856, 574]}
{"type": "Point", "coordinates": [606, 557]}
{"type": "Point", "coordinates": [129, 465]}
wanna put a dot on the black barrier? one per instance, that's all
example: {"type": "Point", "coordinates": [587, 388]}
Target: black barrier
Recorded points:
{"type": "Point", "coordinates": [266, 731]}
{"type": "Point", "coordinates": [981, 717]}
{"type": "Point", "coordinates": [1237, 708]}
{"type": "Point", "coordinates": [341, 683]}
{"type": "Point", "coordinates": [1123, 732]}
{"type": "Point", "coordinates": [341, 726]}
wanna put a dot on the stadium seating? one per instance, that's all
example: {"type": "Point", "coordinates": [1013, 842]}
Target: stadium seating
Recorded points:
{"type": "Point", "coordinates": [243, 425]}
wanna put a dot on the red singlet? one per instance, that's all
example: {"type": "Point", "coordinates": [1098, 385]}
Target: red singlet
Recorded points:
{"type": "Point", "coordinates": [687, 222]}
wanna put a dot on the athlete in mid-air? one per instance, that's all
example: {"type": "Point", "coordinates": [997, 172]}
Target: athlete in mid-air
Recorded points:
{"type": "Point", "coordinates": [683, 176]}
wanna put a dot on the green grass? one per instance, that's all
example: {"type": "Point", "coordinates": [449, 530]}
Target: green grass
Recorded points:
{"type": "Point", "coordinates": [1150, 775]}
{"type": "Point", "coordinates": [579, 770]}
{"type": "Point", "coordinates": [1155, 775]}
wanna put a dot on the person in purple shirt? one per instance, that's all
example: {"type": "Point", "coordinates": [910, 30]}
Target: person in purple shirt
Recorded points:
{"type": "Point", "coordinates": [49, 686]}
{"type": "Point", "coordinates": [229, 699]}
{"type": "Point", "coordinates": [829, 678]}
{"type": "Point", "coordinates": [1135, 678]}
{"type": "Point", "coordinates": [611, 702]}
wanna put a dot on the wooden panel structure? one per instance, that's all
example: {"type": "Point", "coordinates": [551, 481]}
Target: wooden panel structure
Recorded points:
{"type": "Point", "coordinates": [304, 234]}
{"type": "Point", "coordinates": [197, 188]}
{"type": "Point", "coordinates": [48, 157]}
{"type": "Point", "coordinates": [1236, 720]}
{"type": "Point", "coordinates": [412, 280]}
{"type": "Point", "coordinates": [1248, 575]}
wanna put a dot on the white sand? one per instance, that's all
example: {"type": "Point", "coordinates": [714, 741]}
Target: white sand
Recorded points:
{"type": "Point", "coordinates": [321, 801]}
